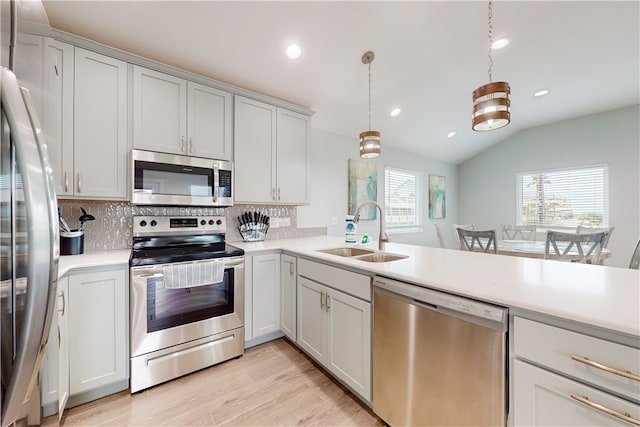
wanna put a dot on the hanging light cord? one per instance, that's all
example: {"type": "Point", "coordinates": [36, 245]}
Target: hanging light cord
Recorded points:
{"type": "Point", "coordinates": [490, 39]}
{"type": "Point", "coordinates": [369, 94]}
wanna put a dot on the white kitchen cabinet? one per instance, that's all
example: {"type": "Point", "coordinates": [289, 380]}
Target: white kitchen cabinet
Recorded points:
{"type": "Point", "coordinates": [57, 122]}
{"type": "Point", "coordinates": [335, 329]}
{"type": "Point", "coordinates": [262, 298]}
{"type": "Point", "coordinates": [63, 344]}
{"type": "Point", "coordinates": [562, 377]}
{"type": "Point", "coordinates": [288, 299]}
{"type": "Point", "coordinates": [271, 154]}
{"type": "Point", "coordinates": [98, 329]}
{"type": "Point", "coordinates": [99, 126]}
{"type": "Point", "coordinates": [85, 124]}
{"type": "Point", "coordinates": [49, 371]}
{"type": "Point", "coordinates": [173, 115]}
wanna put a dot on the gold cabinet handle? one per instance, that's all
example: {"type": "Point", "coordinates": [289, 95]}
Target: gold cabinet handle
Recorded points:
{"type": "Point", "coordinates": [327, 299]}
{"type": "Point", "coordinates": [273, 193]}
{"type": "Point", "coordinates": [59, 338]}
{"type": "Point", "coordinates": [625, 417]}
{"type": "Point", "coordinates": [278, 193]}
{"type": "Point", "coordinates": [183, 144]}
{"type": "Point", "coordinates": [191, 144]}
{"type": "Point", "coordinates": [625, 374]}
{"type": "Point", "coordinates": [291, 268]}
{"type": "Point", "coordinates": [321, 300]}
{"type": "Point", "coordinates": [66, 182]}
{"type": "Point", "coordinates": [79, 182]}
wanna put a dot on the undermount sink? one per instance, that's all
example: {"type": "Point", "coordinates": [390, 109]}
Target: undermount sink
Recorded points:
{"type": "Point", "coordinates": [381, 257]}
{"type": "Point", "coordinates": [346, 252]}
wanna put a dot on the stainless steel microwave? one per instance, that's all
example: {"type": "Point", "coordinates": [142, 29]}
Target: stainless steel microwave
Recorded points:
{"type": "Point", "coordinates": [170, 179]}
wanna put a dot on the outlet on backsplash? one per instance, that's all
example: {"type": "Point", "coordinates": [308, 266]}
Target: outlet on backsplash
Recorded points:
{"type": "Point", "coordinates": [112, 227]}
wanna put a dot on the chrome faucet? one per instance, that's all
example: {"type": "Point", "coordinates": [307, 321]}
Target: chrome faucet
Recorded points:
{"type": "Point", "coordinates": [383, 236]}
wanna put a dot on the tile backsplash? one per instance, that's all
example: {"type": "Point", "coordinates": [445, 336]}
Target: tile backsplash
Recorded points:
{"type": "Point", "coordinates": [112, 227]}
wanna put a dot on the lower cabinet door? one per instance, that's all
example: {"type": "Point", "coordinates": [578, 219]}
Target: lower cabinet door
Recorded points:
{"type": "Point", "coordinates": [98, 331]}
{"type": "Point", "coordinates": [288, 297]}
{"type": "Point", "coordinates": [266, 294]}
{"type": "Point", "coordinates": [63, 344]}
{"type": "Point", "coordinates": [311, 318]}
{"type": "Point", "coordinates": [542, 398]}
{"type": "Point", "coordinates": [349, 341]}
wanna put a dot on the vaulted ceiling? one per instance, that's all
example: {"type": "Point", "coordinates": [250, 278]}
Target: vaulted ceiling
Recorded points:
{"type": "Point", "coordinates": [430, 56]}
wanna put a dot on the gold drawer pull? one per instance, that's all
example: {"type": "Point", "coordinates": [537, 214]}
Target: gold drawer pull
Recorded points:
{"type": "Point", "coordinates": [586, 361]}
{"type": "Point", "coordinates": [624, 417]}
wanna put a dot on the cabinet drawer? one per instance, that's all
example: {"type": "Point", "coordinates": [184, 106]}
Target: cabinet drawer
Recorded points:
{"type": "Point", "coordinates": [543, 398]}
{"type": "Point", "coordinates": [352, 283]}
{"type": "Point", "coordinates": [558, 349]}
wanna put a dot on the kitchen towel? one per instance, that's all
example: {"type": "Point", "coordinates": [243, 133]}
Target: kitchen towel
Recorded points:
{"type": "Point", "coordinates": [193, 274]}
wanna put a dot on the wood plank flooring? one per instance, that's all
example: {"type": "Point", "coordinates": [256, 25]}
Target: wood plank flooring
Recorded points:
{"type": "Point", "coordinates": [273, 384]}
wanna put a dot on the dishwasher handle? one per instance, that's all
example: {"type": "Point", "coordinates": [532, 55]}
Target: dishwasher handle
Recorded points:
{"type": "Point", "coordinates": [478, 312]}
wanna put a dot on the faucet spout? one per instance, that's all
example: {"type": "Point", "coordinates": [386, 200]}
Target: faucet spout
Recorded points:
{"type": "Point", "coordinates": [383, 235]}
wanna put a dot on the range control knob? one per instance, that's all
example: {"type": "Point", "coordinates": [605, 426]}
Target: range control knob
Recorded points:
{"type": "Point", "coordinates": [143, 223]}
{"type": "Point", "coordinates": [203, 222]}
{"type": "Point", "coordinates": [153, 223]}
{"type": "Point", "coordinates": [211, 222]}
{"type": "Point", "coordinates": [219, 222]}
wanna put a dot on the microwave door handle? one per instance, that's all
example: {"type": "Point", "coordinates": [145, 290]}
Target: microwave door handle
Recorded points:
{"type": "Point", "coordinates": [216, 182]}
{"type": "Point", "coordinates": [42, 238]}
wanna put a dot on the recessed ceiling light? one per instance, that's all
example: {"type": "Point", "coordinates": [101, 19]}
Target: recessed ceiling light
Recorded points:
{"type": "Point", "coordinates": [542, 92]}
{"type": "Point", "coordinates": [451, 134]}
{"type": "Point", "coordinates": [499, 44]}
{"type": "Point", "coordinates": [293, 51]}
{"type": "Point", "coordinates": [395, 112]}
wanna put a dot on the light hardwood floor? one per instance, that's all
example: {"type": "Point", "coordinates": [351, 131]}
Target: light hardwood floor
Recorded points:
{"type": "Point", "coordinates": [272, 384]}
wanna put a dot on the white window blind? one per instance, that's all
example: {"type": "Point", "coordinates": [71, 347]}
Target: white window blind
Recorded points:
{"type": "Point", "coordinates": [401, 197]}
{"type": "Point", "coordinates": [564, 197]}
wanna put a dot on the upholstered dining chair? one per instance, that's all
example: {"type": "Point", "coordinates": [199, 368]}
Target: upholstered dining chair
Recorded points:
{"type": "Point", "coordinates": [577, 247]}
{"type": "Point", "coordinates": [486, 240]}
{"type": "Point", "coordinates": [635, 258]}
{"type": "Point", "coordinates": [464, 227]}
{"type": "Point", "coordinates": [440, 236]}
{"type": "Point", "coordinates": [608, 231]}
{"type": "Point", "coordinates": [519, 232]}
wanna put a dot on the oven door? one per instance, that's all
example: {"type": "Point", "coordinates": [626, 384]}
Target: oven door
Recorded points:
{"type": "Point", "coordinates": [162, 317]}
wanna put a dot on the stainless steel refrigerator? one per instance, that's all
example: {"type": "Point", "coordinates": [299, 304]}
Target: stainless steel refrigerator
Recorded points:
{"type": "Point", "coordinates": [28, 209]}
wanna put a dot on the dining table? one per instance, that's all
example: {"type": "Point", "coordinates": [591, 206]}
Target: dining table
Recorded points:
{"type": "Point", "coordinates": [535, 249]}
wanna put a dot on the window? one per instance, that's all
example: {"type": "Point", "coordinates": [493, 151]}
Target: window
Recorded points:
{"type": "Point", "coordinates": [402, 198]}
{"type": "Point", "coordinates": [564, 197]}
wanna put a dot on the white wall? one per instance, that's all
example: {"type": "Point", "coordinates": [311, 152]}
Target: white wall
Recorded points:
{"type": "Point", "coordinates": [329, 158]}
{"type": "Point", "coordinates": [487, 182]}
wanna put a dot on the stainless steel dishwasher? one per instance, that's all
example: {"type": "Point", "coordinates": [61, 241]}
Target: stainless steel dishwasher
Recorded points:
{"type": "Point", "coordinates": [438, 359]}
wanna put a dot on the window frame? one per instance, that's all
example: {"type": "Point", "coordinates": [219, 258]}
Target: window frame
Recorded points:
{"type": "Point", "coordinates": [542, 227]}
{"type": "Point", "coordinates": [419, 198]}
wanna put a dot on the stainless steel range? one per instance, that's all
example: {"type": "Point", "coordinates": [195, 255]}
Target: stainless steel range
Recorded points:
{"type": "Point", "coordinates": [187, 297]}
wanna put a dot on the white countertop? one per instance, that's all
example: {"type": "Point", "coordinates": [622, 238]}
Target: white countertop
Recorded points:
{"type": "Point", "coordinates": [594, 295]}
{"type": "Point", "coordinates": [98, 259]}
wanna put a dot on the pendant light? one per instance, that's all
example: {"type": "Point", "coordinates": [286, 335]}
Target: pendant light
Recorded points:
{"type": "Point", "coordinates": [369, 140]}
{"type": "Point", "coordinates": [491, 104]}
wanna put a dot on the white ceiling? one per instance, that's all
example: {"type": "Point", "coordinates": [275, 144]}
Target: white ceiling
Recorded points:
{"type": "Point", "coordinates": [430, 56]}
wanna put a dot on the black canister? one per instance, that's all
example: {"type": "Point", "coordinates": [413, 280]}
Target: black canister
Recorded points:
{"type": "Point", "coordinates": [71, 242]}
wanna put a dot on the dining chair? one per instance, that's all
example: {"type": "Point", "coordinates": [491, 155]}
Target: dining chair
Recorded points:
{"type": "Point", "coordinates": [486, 240]}
{"type": "Point", "coordinates": [608, 231]}
{"type": "Point", "coordinates": [575, 247]}
{"type": "Point", "coordinates": [440, 236]}
{"type": "Point", "coordinates": [464, 227]}
{"type": "Point", "coordinates": [635, 258]}
{"type": "Point", "coordinates": [519, 232]}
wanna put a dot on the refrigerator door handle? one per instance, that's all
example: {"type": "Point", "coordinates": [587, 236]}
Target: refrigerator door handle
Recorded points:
{"type": "Point", "coordinates": [42, 269]}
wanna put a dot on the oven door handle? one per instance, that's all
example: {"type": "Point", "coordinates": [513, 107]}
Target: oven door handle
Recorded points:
{"type": "Point", "coordinates": [150, 275]}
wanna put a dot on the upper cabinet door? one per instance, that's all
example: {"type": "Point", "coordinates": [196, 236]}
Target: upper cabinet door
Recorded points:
{"type": "Point", "coordinates": [159, 112]}
{"type": "Point", "coordinates": [57, 121]}
{"type": "Point", "coordinates": [209, 122]}
{"type": "Point", "coordinates": [254, 156]}
{"type": "Point", "coordinates": [100, 125]}
{"type": "Point", "coordinates": [293, 157]}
